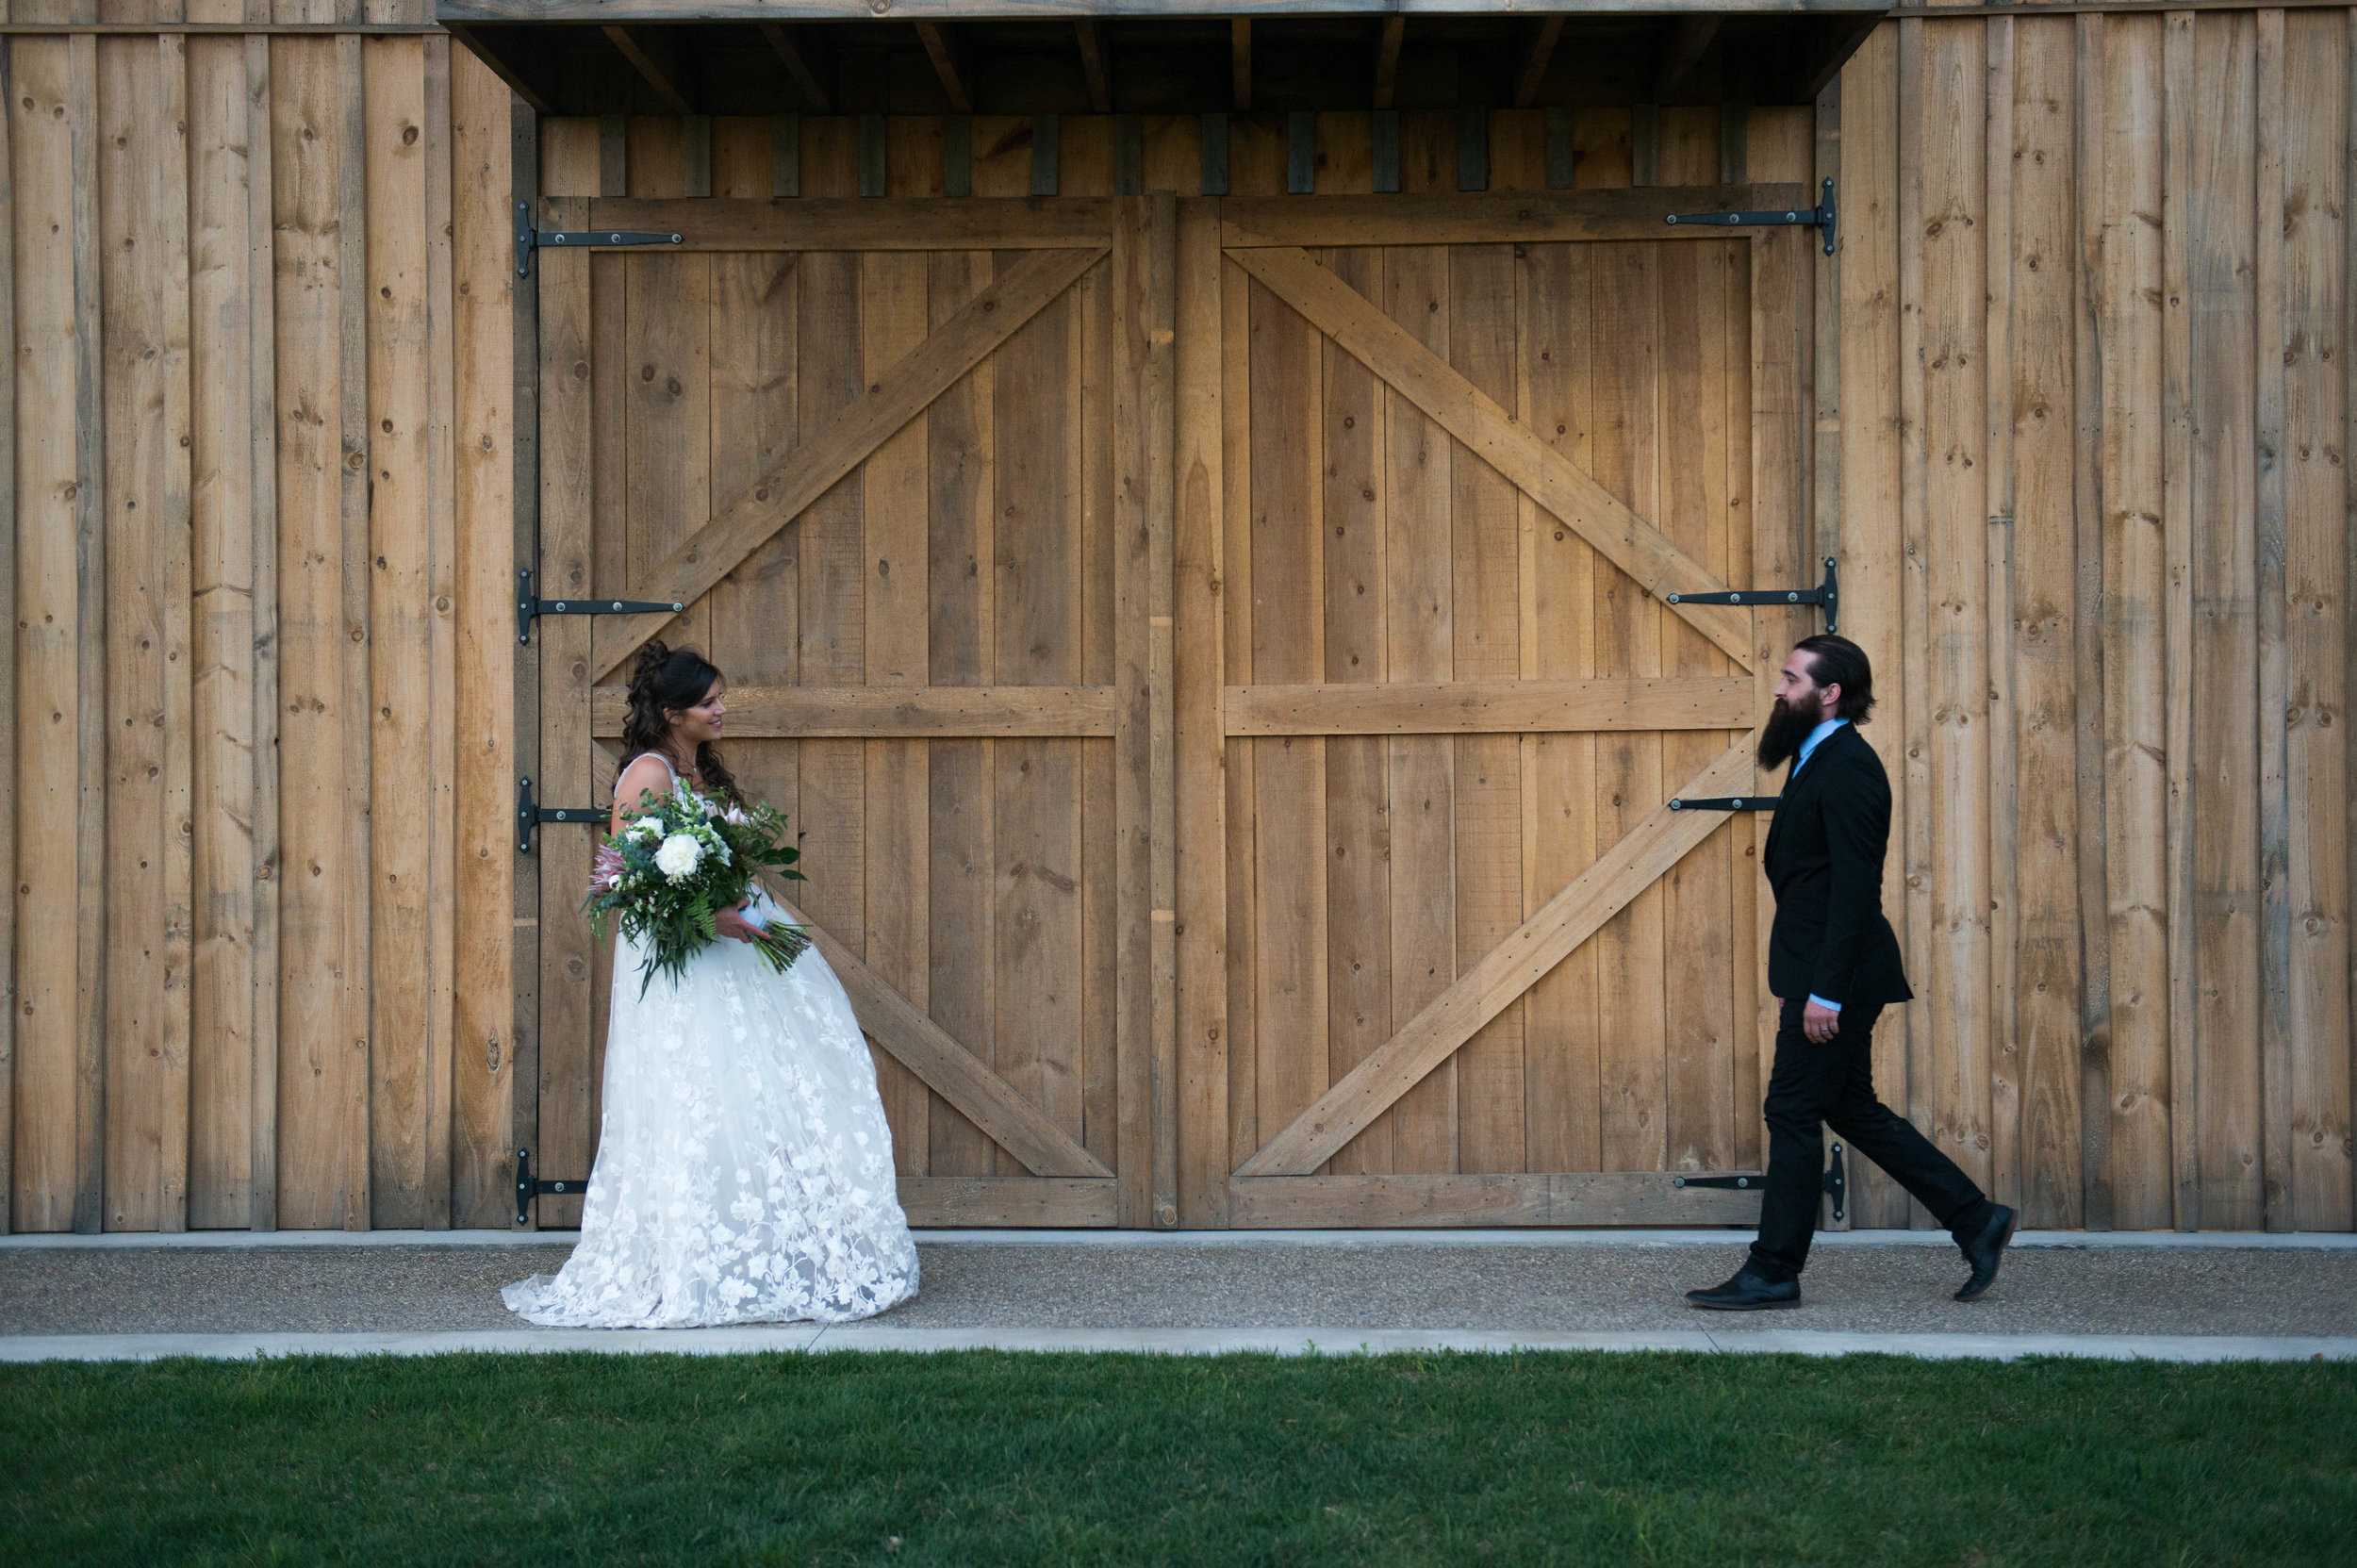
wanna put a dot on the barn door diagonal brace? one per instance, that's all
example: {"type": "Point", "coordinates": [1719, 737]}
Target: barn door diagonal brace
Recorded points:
{"type": "Point", "coordinates": [529, 1186]}
{"type": "Point", "coordinates": [530, 238]}
{"type": "Point", "coordinates": [530, 813]}
{"type": "Point", "coordinates": [1826, 593]}
{"type": "Point", "coordinates": [1820, 217]}
{"type": "Point", "coordinates": [1835, 1182]}
{"type": "Point", "coordinates": [528, 606]}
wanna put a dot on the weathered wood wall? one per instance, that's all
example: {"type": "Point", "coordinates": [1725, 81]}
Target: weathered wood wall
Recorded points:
{"type": "Point", "coordinates": [2084, 397]}
{"type": "Point", "coordinates": [259, 517]}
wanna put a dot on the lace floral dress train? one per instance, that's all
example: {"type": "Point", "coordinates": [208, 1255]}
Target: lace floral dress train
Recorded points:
{"type": "Point", "coordinates": [744, 1169]}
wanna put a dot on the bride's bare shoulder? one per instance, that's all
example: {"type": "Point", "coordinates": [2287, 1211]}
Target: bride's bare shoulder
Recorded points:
{"type": "Point", "coordinates": [646, 774]}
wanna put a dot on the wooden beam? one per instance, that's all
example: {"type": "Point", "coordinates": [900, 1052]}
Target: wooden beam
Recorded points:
{"type": "Point", "coordinates": [1537, 51]}
{"type": "Point", "coordinates": [945, 60]}
{"type": "Point", "coordinates": [1478, 217]}
{"type": "Point", "coordinates": [1240, 60]}
{"type": "Point", "coordinates": [513, 61]}
{"type": "Point", "coordinates": [792, 476]}
{"type": "Point", "coordinates": [882, 712]}
{"type": "Point", "coordinates": [1061, 10]}
{"type": "Point", "coordinates": [1097, 63]}
{"type": "Point", "coordinates": [798, 66]}
{"type": "Point", "coordinates": [1503, 973]}
{"type": "Point", "coordinates": [1041, 1203]}
{"type": "Point", "coordinates": [1489, 707]}
{"type": "Point", "coordinates": [861, 223]}
{"type": "Point", "coordinates": [1387, 40]}
{"type": "Point", "coordinates": [653, 59]}
{"type": "Point", "coordinates": [1609, 1197]}
{"type": "Point", "coordinates": [951, 1071]}
{"type": "Point", "coordinates": [1544, 474]}
{"type": "Point", "coordinates": [1692, 39]}
{"type": "Point", "coordinates": [1844, 37]}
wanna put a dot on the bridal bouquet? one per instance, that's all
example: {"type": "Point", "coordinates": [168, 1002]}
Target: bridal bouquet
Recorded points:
{"type": "Point", "coordinates": [665, 877]}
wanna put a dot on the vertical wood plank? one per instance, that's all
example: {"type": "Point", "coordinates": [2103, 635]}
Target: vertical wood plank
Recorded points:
{"type": "Point", "coordinates": [267, 760]}
{"type": "Point", "coordinates": [2275, 906]}
{"type": "Point", "coordinates": [1198, 673]}
{"type": "Point", "coordinates": [2004, 824]}
{"type": "Point", "coordinates": [221, 1065]}
{"type": "Point", "coordinates": [1289, 807]}
{"type": "Point", "coordinates": [1485, 559]}
{"type": "Point", "coordinates": [2135, 737]}
{"type": "Point", "coordinates": [142, 168]}
{"type": "Point", "coordinates": [1955, 632]}
{"type": "Point", "coordinates": [10, 696]}
{"type": "Point", "coordinates": [528, 177]}
{"type": "Point", "coordinates": [441, 639]}
{"type": "Point", "coordinates": [897, 569]}
{"type": "Point", "coordinates": [1236, 618]}
{"type": "Point", "coordinates": [2316, 523]}
{"type": "Point", "coordinates": [2087, 502]}
{"type": "Point", "coordinates": [2177, 442]}
{"type": "Point", "coordinates": [483, 445]}
{"type": "Point", "coordinates": [403, 711]}
{"type": "Point", "coordinates": [47, 505]}
{"type": "Point", "coordinates": [1872, 550]}
{"type": "Point", "coordinates": [81, 110]}
{"type": "Point", "coordinates": [1150, 332]}
{"type": "Point", "coordinates": [2045, 773]}
{"type": "Point", "coordinates": [352, 353]}
{"type": "Point", "coordinates": [2221, 219]}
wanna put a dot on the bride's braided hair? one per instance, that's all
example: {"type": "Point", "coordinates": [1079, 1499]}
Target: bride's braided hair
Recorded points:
{"type": "Point", "coordinates": [677, 679]}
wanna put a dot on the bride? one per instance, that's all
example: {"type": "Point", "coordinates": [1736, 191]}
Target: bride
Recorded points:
{"type": "Point", "coordinates": [744, 1170]}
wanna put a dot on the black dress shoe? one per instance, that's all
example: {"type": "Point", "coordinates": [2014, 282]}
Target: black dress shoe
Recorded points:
{"type": "Point", "coordinates": [1747, 1293]}
{"type": "Point", "coordinates": [1985, 1249]}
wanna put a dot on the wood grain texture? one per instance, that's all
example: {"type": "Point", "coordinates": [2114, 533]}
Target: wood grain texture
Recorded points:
{"type": "Point", "coordinates": [7, 655]}
{"type": "Point", "coordinates": [1533, 216]}
{"type": "Point", "coordinates": [1417, 1202]}
{"type": "Point", "coordinates": [2274, 796]}
{"type": "Point", "coordinates": [1492, 706]}
{"type": "Point", "coordinates": [816, 222]}
{"type": "Point", "coordinates": [483, 449]}
{"type": "Point", "coordinates": [1618, 532]}
{"type": "Point", "coordinates": [757, 712]}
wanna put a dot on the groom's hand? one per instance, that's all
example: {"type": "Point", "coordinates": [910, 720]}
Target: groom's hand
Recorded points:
{"type": "Point", "coordinates": [731, 923]}
{"type": "Point", "coordinates": [1820, 1024]}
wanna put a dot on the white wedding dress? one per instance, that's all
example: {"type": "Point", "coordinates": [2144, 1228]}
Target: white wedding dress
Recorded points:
{"type": "Point", "coordinates": [744, 1169]}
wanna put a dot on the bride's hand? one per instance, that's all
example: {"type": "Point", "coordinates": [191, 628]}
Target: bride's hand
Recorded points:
{"type": "Point", "coordinates": [733, 923]}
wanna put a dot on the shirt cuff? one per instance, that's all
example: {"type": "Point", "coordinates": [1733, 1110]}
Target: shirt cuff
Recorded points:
{"type": "Point", "coordinates": [1828, 1006]}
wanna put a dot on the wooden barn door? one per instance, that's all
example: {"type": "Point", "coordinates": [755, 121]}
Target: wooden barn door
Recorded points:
{"type": "Point", "coordinates": [1478, 971]}
{"type": "Point", "coordinates": [895, 458]}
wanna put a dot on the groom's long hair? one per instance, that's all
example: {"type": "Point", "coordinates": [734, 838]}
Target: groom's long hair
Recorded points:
{"type": "Point", "coordinates": [673, 678]}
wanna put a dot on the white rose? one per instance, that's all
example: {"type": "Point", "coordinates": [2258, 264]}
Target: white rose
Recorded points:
{"type": "Point", "coordinates": [651, 826]}
{"type": "Point", "coordinates": [678, 857]}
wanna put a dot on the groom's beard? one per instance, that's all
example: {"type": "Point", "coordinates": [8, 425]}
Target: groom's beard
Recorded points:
{"type": "Point", "coordinates": [1780, 738]}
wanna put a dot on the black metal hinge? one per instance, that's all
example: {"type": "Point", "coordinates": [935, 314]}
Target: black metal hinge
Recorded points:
{"type": "Point", "coordinates": [1835, 1182]}
{"type": "Point", "coordinates": [1820, 217]}
{"type": "Point", "coordinates": [1723, 803]}
{"type": "Point", "coordinates": [528, 1187]}
{"type": "Point", "coordinates": [1826, 593]}
{"type": "Point", "coordinates": [529, 239]}
{"type": "Point", "coordinates": [528, 607]}
{"type": "Point", "coordinates": [530, 815]}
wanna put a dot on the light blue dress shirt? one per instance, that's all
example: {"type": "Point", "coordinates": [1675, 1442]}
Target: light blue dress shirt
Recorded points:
{"type": "Point", "coordinates": [1816, 738]}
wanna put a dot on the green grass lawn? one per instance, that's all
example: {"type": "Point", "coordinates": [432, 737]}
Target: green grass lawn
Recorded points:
{"type": "Point", "coordinates": [987, 1458]}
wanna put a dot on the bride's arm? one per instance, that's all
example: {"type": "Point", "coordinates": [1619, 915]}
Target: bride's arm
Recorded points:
{"type": "Point", "coordinates": [641, 777]}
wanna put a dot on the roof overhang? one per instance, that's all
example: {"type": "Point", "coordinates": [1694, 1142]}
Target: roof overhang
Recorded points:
{"type": "Point", "coordinates": [1150, 56]}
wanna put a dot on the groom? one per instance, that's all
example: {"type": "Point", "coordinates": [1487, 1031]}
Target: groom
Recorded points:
{"type": "Point", "coordinates": [1833, 960]}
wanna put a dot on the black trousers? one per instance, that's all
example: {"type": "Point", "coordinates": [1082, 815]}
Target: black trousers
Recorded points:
{"type": "Point", "coordinates": [1833, 1084]}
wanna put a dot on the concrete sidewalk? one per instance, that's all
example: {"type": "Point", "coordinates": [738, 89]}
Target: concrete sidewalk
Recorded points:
{"type": "Point", "coordinates": [2117, 1295]}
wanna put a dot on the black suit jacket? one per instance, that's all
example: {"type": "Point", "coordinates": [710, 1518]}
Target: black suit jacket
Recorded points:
{"type": "Point", "coordinates": [1824, 861]}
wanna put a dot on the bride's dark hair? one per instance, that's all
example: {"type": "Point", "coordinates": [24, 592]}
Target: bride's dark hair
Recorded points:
{"type": "Point", "coordinates": [677, 679]}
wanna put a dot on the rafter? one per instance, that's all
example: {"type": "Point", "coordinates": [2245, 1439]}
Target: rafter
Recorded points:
{"type": "Point", "coordinates": [1240, 60]}
{"type": "Point", "coordinates": [654, 58]}
{"type": "Point", "coordinates": [1694, 38]}
{"type": "Point", "coordinates": [1097, 63]}
{"type": "Point", "coordinates": [1502, 974]}
{"type": "Point", "coordinates": [513, 61]}
{"type": "Point", "coordinates": [798, 66]}
{"type": "Point", "coordinates": [1537, 51]}
{"type": "Point", "coordinates": [1387, 40]}
{"type": "Point", "coordinates": [937, 48]}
